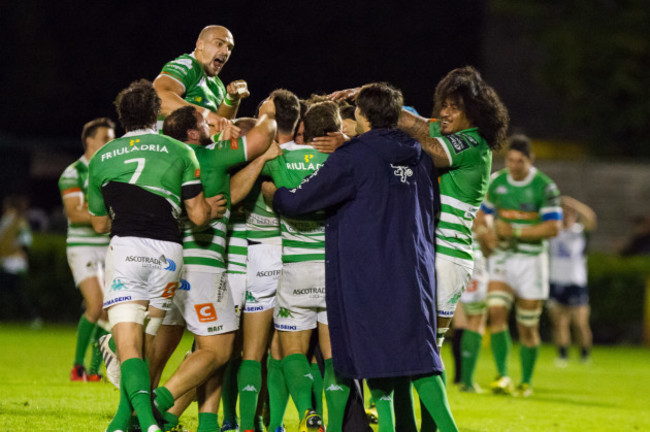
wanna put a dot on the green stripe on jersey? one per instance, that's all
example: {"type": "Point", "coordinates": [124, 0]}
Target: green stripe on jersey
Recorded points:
{"type": "Point", "coordinates": [237, 252]}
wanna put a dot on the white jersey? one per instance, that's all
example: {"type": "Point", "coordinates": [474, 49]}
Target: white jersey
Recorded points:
{"type": "Point", "coordinates": [568, 260]}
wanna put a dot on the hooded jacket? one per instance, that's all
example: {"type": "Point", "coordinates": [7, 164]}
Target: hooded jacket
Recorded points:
{"type": "Point", "coordinates": [379, 191]}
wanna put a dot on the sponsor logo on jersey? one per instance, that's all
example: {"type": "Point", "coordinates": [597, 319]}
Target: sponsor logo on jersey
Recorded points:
{"type": "Point", "coordinates": [135, 148]}
{"type": "Point", "coordinates": [268, 273]}
{"type": "Point", "coordinates": [171, 265]}
{"type": "Point", "coordinates": [303, 166]}
{"type": "Point", "coordinates": [518, 215]}
{"type": "Point", "coordinates": [403, 172]}
{"type": "Point", "coordinates": [234, 144]}
{"type": "Point", "coordinates": [457, 143]}
{"type": "Point", "coordinates": [205, 312]}
{"type": "Point", "coordinates": [501, 190]}
{"type": "Point", "coordinates": [284, 313]}
{"type": "Point", "coordinates": [132, 142]}
{"type": "Point", "coordinates": [184, 285]}
{"type": "Point", "coordinates": [117, 300]}
{"type": "Point", "coordinates": [215, 329]}
{"type": "Point", "coordinates": [117, 285]}
{"type": "Point", "coordinates": [197, 173]}
{"type": "Point", "coordinates": [309, 291]}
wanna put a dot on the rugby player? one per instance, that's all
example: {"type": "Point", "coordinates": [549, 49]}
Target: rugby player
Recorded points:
{"type": "Point", "coordinates": [86, 249]}
{"type": "Point", "coordinates": [192, 79]}
{"type": "Point", "coordinates": [138, 187]}
{"type": "Point", "coordinates": [204, 302]}
{"type": "Point", "coordinates": [522, 210]}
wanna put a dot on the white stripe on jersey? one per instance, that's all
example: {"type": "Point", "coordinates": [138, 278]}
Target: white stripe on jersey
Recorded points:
{"type": "Point", "coordinates": [456, 203]}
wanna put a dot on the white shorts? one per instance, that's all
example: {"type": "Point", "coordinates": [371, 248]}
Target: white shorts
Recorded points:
{"type": "Point", "coordinates": [300, 303]}
{"type": "Point", "coordinates": [475, 292]}
{"type": "Point", "coordinates": [204, 304]}
{"type": "Point", "coordinates": [527, 275]}
{"type": "Point", "coordinates": [86, 262]}
{"type": "Point", "coordinates": [263, 270]}
{"type": "Point", "coordinates": [237, 284]}
{"type": "Point", "coordinates": [142, 269]}
{"type": "Point", "coordinates": [451, 280]}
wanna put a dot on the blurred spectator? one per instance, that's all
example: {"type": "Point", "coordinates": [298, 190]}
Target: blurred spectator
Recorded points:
{"type": "Point", "coordinates": [15, 240]}
{"type": "Point", "coordinates": [639, 243]}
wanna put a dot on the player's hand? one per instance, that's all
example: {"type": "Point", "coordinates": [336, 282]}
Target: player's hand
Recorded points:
{"type": "Point", "coordinates": [272, 152]}
{"type": "Point", "coordinates": [218, 206]}
{"type": "Point", "coordinates": [230, 132]}
{"type": "Point", "coordinates": [268, 108]}
{"type": "Point", "coordinates": [329, 143]}
{"type": "Point", "coordinates": [238, 90]}
{"type": "Point", "coordinates": [344, 95]}
{"type": "Point", "coordinates": [504, 230]}
{"type": "Point", "coordinates": [216, 122]}
{"type": "Point", "coordinates": [268, 190]}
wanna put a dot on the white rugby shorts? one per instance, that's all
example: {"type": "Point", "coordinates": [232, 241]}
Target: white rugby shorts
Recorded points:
{"type": "Point", "coordinates": [262, 274]}
{"type": "Point", "coordinates": [142, 269]}
{"type": "Point", "coordinates": [300, 302]}
{"type": "Point", "coordinates": [203, 303]}
{"type": "Point", "coordinates": [86, 262]}
{"type": "Point", "coordinates": [476, 290]}
{"type": "Point", "coordinates": [451, 280]}
{"type": "Point", "coordinates": [527, 275]}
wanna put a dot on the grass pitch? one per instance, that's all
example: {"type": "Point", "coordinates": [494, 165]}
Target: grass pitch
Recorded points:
{"type": "Point", "coordinates": [611, 393]}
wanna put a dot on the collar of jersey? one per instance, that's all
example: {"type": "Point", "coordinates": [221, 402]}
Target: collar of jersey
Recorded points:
{"type": "Point", "coordinates": [524, 182]}
{"type": "Point", "coordinates": [140, 132]}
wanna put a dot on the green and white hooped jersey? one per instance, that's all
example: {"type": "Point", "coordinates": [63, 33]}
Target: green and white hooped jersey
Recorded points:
{"type": "Point", "coordinates": [199, 89]}
{"type": "Point", "coordinates": [73, 183]}
{"type": "Point", "coordinates": [462, 189]}
{"type": "Point", "coordinates": [262, 223]}
{"type": "Point", "coordinates": [302, 239]}
{"type": "Point", "coordinates": [530, 201]}
{"type": "Point", "coordinates": [205, 249]}
{"type": "Point", "coordinates": [237, 251]}
{"type": "Point", "coordinates": [156, 163]}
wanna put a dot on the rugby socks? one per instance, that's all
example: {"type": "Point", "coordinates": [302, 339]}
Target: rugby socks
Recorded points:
{"type": "Point", "coordinates": [249, 383]}
{"type": "Point", "coordinates": [337, 391]}
{"type": "Point", "coordinates": [585, 353]}
{"type": "Point", "coordinates": [122, 419]}
{"type": "Point", "coordinates": [229, 391]}
{"type": "Point", "coordinates": [501, 345]}
{"type": "Point", "coordinates": [317, 389]}
{"type": "Point", "coordinates": [470, 348]}
{"type": "Point", "coordinates": [135, 380]}
{"type": "Point", "coordinates": [528, 358]}
{"type": "Point", "coordinates": [403, 401]}
{"type": "Point", "coordinates": [171, 420]}
{"type": "Point", "coordinates": [96, 359]}
{"type": "Point", "coordinates": [562, 352]}
{"type": "Point", "coordinates": [382, 391]}
{"type": "Point", "coordinates": [457, 351]}
{"type": "Point", "coordinates": [432, 392]}
{"type": "Point", "coordinates": [299, 378]}
{"type": "Point", "coordinates": [428, 424]}
{"type": "Point", "coordinates": [163, 399]}
{"type": "Point", "coordinates": [85, 331]}
{"type": "Point", "coordinates": [208, 423]}
{"type": "Point", "coordinates": [278, 393]}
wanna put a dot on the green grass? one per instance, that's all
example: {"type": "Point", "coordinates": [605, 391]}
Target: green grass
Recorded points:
{"type": "Point", "coordinates": [611, 393]}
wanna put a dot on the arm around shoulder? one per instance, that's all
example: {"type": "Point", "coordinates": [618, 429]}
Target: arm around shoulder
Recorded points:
{"type": "Point", "coordinates": [418, 128]}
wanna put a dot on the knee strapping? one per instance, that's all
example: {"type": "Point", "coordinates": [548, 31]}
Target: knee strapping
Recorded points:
{"type": "Point", "coordinates": [500, 298]}
{"type": "Point", "coordinates": [152, 326]}
{"type": "Point", "coordinates": [527, 317]}
{"type": "Point", "coordinates": [440, 336]}
{"type": "Point", "coordinates": [126, 312]}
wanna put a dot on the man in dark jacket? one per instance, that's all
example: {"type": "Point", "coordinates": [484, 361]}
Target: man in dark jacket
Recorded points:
{"type": "Point", "coordinates": [379, 191]}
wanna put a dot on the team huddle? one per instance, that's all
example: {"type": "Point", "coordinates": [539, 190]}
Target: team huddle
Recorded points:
{"type": "Point", "coordinates": [282, 242]}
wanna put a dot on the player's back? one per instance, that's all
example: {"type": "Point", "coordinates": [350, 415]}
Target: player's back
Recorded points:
{"type": "Point", "coordinates": [139, 179]}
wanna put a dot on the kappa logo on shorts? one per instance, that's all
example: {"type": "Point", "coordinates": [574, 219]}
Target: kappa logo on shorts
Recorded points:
{"type": "Point", "coordinates": [284, 313]}
{"type": "Point", "coordinates": [206, 312]}
{"type": "Point", "coordinates": [117, 285]}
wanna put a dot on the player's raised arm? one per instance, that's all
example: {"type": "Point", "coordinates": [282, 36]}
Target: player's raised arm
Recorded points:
{"type": "Point", "coordinates": [418, 128]}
